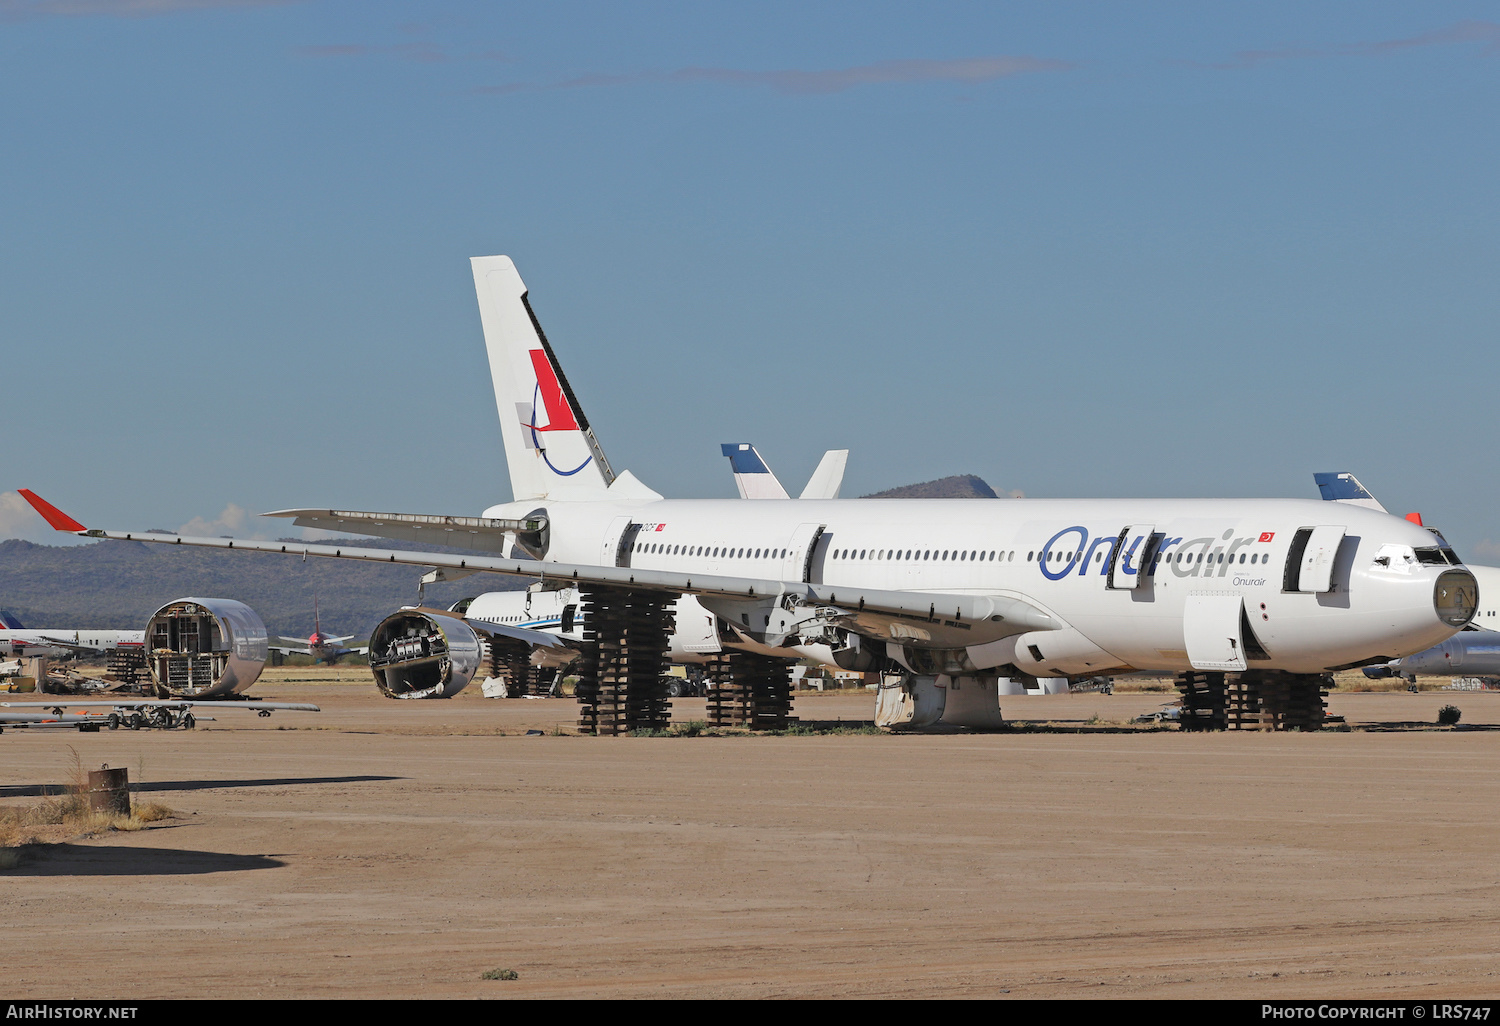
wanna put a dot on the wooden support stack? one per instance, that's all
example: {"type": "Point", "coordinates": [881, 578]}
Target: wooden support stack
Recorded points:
{"type": "Point", "coordinates": [1267, 700]}
{"type": "Point", "coordinates": [620, 686]}
{"type": "Point", "coordinates": [749, 690]}
{"type": "Point", "coordinates": [128, 666]}
{"type": "Point", "coordinates": [1204, 701]}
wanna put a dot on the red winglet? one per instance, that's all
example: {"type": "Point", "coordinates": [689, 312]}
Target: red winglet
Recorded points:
{"type": "Point", "coordinates": [1415, 518]}
{"type": "Point", "coordinates": [59, 520]}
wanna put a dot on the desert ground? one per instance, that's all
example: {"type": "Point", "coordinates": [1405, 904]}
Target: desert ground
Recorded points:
{"type": "Point", "coordinates": [404, 849]}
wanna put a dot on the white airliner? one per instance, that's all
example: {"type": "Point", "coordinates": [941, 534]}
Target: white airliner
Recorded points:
{"type": "Point", "coordinates": [60, 643]}
{"type": "Point", "coordinates": [954, 593]}
{"type": "Point", "coordinates": [1473, 651]}
{"type": "Point", "coordinates": [555, 611]}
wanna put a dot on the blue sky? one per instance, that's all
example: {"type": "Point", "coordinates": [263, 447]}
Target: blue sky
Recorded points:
{"type": "Point", "coordinates": [1079, 249]}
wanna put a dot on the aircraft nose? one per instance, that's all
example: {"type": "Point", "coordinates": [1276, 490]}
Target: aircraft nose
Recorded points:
{"type": "Point", "coordinates": [1455, 597]}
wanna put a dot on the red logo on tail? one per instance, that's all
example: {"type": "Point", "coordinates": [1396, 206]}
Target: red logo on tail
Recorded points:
{"type": "Point", "coordinates": [559, 416]}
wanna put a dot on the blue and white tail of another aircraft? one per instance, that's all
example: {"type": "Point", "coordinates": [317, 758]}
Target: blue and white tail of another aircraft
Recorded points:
{"type": "Point", "coordinates": [755, 480]}
{"type": "Point", "coordinates": [1345, 487]}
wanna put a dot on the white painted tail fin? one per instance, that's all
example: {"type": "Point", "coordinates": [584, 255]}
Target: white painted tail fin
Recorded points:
{"type": "Point", "coordinates": [549, 448]}
{"type": "Point", "coordinates": [829, 477]}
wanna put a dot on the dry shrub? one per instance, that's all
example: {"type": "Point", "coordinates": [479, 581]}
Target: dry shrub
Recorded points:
{"type": "Point", "coordinates": [150, 812]}
{"type": "Point", "coordinates": [64, 816]}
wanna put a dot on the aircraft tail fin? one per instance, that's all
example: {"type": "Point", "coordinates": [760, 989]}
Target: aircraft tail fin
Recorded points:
{"type": "Point", "coordinates": [9, 622]}
{"type": "Point", "coordinates": [1345, 487]}
{"type": "Point", "coordinates": [751, 475]}
{"type": "Point", "coordinates": [829, 477]}
{"type": "Point", "coordinates": [549, 447]}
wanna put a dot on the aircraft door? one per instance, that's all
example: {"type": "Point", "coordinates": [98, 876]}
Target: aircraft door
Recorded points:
{"type": "Point", "coordinates": [1127, 561]}
{"type": "Point", "coordinates": [1315, 571]}
{"type": "Point", "coordinates": [1453, 650]}
{"type": "Point", "coordinates": [798, 565]}
{"type": "Point", "coordinates": [619, 540]}
{"type": "Point", "coordinates": [1211, 631]}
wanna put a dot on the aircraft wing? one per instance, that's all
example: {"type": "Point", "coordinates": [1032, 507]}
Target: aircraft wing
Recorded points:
{"type": "Point", "coordinates": [10, 717]}
{"type": "Point", "coordinates": [536, 639]}
{"type": "Point", "coordinates": [64, 643]}
{"type": "Point", "coordinates": [481, 533]}
{"type": "Point", "coordinates": [963, 618]}
{"type": "Point", "coordinates": [118, 702]}
{"type": "Point", "coordinates": [290, 646]}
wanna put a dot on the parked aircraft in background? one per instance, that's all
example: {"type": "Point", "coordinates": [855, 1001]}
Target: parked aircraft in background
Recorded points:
{"type": "Point", "coordinates": [60, 643]}
{"type": "Point", "coordinates": [755, 480]}
{"type": "Point", "coordinates": [555, 610]}
{"type": "Point", "coordinates": [1466, 654]}
{"type": "Point", "coordinates": [954, 596]}
{"type": "Point", "coordinates": [320, 646]}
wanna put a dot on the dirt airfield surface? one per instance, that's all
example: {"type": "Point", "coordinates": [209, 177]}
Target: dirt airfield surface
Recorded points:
{"type": "Point", "coordinates": [387, 849]}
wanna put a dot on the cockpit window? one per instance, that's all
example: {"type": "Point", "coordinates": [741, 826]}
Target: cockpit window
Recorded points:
{"type": "Point", "coordinates": [1438, 557]}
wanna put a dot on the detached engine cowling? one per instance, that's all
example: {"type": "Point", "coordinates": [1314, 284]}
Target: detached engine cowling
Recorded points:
{"type": "Point", "coordinates": [205, 648]}
{"type": "Point", "coordinates": [424, 653]}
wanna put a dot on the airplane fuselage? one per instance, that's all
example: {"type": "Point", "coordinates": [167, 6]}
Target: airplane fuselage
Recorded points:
{"type": "Point", "coordinates": [1054, 554]}
{"type": "Point", "coordinates": [57, 644]}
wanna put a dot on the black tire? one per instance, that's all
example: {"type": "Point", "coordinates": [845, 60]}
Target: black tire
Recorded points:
{"type": "Point", "coordinates": [188, 722]}
{"type": "Point", "coordinates": [112, 721]}
{"type": "Point", "coordinates": [675, 689]}
{"type": "Point", "coordinates": [136, 721]}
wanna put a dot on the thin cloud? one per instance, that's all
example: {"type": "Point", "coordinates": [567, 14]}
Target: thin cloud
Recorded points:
{"type": "Point", "coordinates": [17, 518]}
{"type": "Point", "coordinates": [1487, 549]}
{"type": "Point", "coordinates": [341, 50]}
{"type": "Point", "coordinates": [232, 521]}
{"type": "Point", "coordinates": [966, 71]}
{"type": "Point", "coordinates": [15, 9]}
{"type": "Point", "coordinates": [420, 52]}
{"type": "Point", "coordinates": [1252, 58]}
{"type": "Point", "coordinates": [1485, 32]}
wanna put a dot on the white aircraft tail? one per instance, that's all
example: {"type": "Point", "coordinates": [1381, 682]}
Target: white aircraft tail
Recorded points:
{"type": "Point", "coordinates": [751, 474]}
{"type": "Point", "coordinates": [829, 477]}
{"type": "Point", "coordinates": [549, 448]}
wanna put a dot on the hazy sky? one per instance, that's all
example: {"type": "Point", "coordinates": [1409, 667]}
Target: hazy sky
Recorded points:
{"type": "Point", "coordinates": [1079, 249]}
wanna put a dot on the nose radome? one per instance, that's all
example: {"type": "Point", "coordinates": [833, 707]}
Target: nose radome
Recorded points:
{"type": "Point", "coordinates": [1455, 597]}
